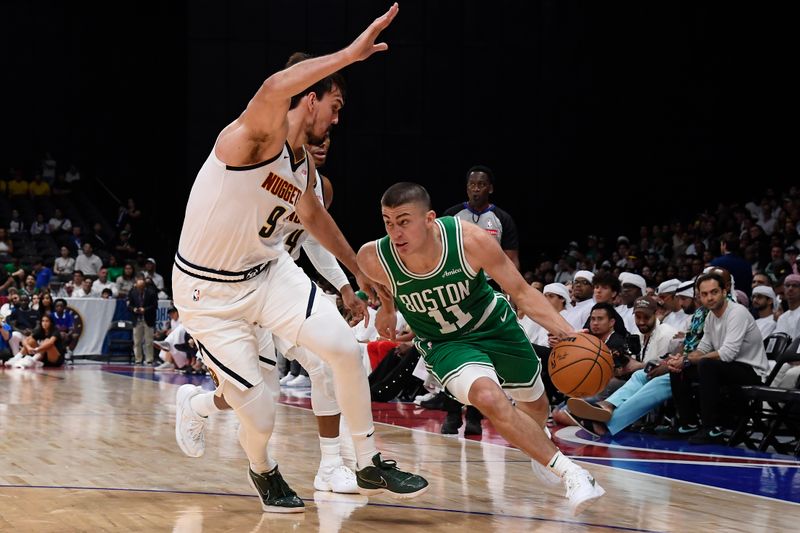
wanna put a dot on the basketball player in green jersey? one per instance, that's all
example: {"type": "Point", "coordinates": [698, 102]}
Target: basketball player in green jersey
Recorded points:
{"type": "Point", "coordinates": [468, 334]}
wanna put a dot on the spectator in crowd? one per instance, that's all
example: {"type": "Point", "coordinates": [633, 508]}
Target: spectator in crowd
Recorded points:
{"type": "Point", "coordinates": [633, 287]}
{"type": "Point", "coordinates": [29, 287]}
{"type": "Point", "coordinates": [68, 289]}
{"type": "Point", "coordinates": [39, 188]}
{"type": "Point", "coordinates": [761, 279]}
{"type": "Point", "coordinates": [5, 341]}
{"type": "Point", "coordinates": [43, 274]}
{"type": "Point", "coordinates": [43, 347]}
{"type": "Point", "coordinates": [124, 249]}
{"type": "Point", "coordinates": [6, 245]}
{"type": "Point", "coordinates": [73, 176]}
{"type": "Point", "coordinates": [789, 321]}
{"type": "Point", "coordinates": [669, 308]}
{"type": "Point", "coordinates": [128, 214]}
{"type": "Point", "coordinates": [39, 226]}
{"type": "Point", "coordinates": [68, 327]}
{"type": "Point", "coordinates": [102, 282]}
{"type": "Point", "coordinates": [11, 303]}
{"type": "Point", "coordinates": [582, 291]}
{"type": "Point", "coordinates": [114, 268]}
{"type": "Point", "coordinates": [22, 317]}
{"type": "Point", "coordinates": [59, 225]}
{"type": "Point", "coordinates": [143, 303]}
{"type": "Point", "coordinates": [74, 240]}
{"type": "Point", "coordinates": [84, 290]}
{"type": "Point", "coordinates": [49, 168]}
{"type": "Point", "coordinates": [88, 262]}
{"type": "Point", "coordinates": [98, 240]}
{"type": "Point", "coordinates": [151, 274]}
{"type": "Point", "coordinates": [64, 265]}
{"type": "Point", "coordinates": [16, 224]}
{"type": "Point", "coordinates": [731, 352]}
{"type": "Point", "coordinates": [106, 294]}
{"type": "Point", "coordinates": [764, 303]}
{"type": "Point", "coordinates": [46, 305]}
{"type": "Point", "coordinates": [17, 186]}
{"type": "Point", "coordinates": [126, 281]}
{"type": "Point", "coordinates": [791, 258]}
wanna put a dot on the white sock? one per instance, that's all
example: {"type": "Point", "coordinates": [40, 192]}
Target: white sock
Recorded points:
{"type": "Point", "coordinates": [365, 448]}
{"type": "Point", "coordinates": [203, 404]}
{"type": "Point", "coordinates": [329, 448]}
{"type": "Point", "coordinates": [560, 464]}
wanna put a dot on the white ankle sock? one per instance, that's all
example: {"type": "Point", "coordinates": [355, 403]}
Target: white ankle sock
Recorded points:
{"type": "Point", "coordinates": [329, 449]}
{"type": "Point", "coordinates": [203, 404]}
{"type": "Point", "coordinates": [365, 449]}
{"type": "Point", "coordinates": [560, 464]}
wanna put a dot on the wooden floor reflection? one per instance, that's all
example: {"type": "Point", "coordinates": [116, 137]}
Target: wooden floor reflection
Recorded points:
{"type": "Point", "coordinates": [85, 449]}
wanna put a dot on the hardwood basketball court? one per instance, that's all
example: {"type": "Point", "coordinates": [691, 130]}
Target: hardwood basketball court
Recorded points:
{"type": "Point", "coordinates": [92, 448]}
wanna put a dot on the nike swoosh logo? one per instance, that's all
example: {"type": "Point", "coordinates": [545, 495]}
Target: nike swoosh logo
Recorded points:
{"type": "Point", "coordinates": [371, 433]}
{"type": "Point", "coordinates": [406, 282]}
{"type": "Point", "coordinates": [503, 318]}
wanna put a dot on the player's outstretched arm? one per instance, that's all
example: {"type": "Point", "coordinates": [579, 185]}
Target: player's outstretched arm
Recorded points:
{"type": "Point", "coordinates": [266, 112]}
{"type": "Point", "coordinates": [483, 251]}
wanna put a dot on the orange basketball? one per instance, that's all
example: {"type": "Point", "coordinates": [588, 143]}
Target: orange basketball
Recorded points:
{"type": "Point", "coordinates": [581, 366]}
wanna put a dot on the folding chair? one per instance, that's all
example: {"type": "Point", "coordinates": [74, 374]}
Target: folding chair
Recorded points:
{"type": "Point", "coordinates": [771, 411]}
{"type": "Point", "coordinates": [120, 339]}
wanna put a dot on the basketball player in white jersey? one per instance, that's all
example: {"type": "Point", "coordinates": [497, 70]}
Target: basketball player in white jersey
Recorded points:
{"type": "Point", "coordinates": [333, 475]}
{"type": "Point", "coordinates": [233, 281]}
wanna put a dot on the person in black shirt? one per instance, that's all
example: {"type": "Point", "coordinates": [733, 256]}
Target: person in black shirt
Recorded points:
{"type": "Point", "coordinates": [43, 347]}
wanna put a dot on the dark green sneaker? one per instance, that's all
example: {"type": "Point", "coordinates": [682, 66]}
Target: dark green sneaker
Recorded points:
{"type": "Point", "coordinates": [276, 496]}
{"type": "Point", "coordinates": [384, 476]}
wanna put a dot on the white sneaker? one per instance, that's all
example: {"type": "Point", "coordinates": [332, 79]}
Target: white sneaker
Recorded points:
{"type": "Point", "coordinates": [582, 490]}
{"type": "Point", "coordinates": [166, 365]}
{"type": "Point", "coordinates": [544, 474]}
{"type": "Point", "coordinates": [37, 363]}
{"type": "Point", "coordinates": [13, 361]}
{"type": "Point", "coordinates": [300, 382]}
{"type": "Point", "coordinates": [286, 379]}
{"type": "Point", "coordinates": [336, 478]}
{"type": "Point", "coordinates": [189, 426]}
{"type": "Point", "coordinates": [425, 397]}
{"type": "Point", "coordinates": [24, 362]}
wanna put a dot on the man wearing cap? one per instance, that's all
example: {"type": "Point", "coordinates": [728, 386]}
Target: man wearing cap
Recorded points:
{"type": "Point", "coordinates": [633, 286]}
{"type": "Point", "coordinates": [789, 321]}
{"type": "Point", "coordinates": [648, 386]}
{"type": "Point", "coordinates": [582, 291]}
{"type": "Point", "coordinates": [665, 293]}
{"type": "Point", "coordinates": [150, 272]}
{"type": "Point", "coordinates": [764, 304]}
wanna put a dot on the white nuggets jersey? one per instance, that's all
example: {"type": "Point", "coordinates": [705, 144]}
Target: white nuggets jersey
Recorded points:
{"type": "Point", "coordinates": [236, 216]}
{"type": "Point", "coordinates": [295, 233]}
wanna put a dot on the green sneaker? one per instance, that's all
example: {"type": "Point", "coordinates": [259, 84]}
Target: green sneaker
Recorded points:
{"type": "Point", "coordinates": [384, 476]}
{"type": "Point", "coordinates": [276, 496]}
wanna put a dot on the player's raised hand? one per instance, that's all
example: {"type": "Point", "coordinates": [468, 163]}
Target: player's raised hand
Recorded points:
{"type": "Point", "coordinates": [365, 45]}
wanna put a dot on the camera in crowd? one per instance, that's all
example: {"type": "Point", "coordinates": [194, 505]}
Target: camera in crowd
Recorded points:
{"type": "Point", "coordinates": [633, 347]}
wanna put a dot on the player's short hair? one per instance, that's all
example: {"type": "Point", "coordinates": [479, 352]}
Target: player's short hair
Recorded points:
{"type": "Point", "coordinates": [406, 192]}
{"type": "Point", "coordinates": [323, 86]}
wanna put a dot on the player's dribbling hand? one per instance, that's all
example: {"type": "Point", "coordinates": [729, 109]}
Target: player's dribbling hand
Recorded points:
{"type": "Point", "coordinates": [386, 323]}
{"type": "Point", "coordinates": [364, 45]}
{"type": "Point", "coordinates": [356, 306]}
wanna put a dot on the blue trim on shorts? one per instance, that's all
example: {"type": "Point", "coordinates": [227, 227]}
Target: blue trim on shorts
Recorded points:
{"type": "Point", "coordinates": [311, 299]}
{"type": "Point", "coordinates": [225, 369]}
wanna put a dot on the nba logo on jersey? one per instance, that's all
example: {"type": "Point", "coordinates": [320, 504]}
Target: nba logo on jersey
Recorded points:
{"type": "Point", "coordinates": [196, 295]}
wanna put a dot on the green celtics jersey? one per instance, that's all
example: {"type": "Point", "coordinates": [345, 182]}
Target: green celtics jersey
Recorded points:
{"type": "Point", "coordinates": [447, 303]}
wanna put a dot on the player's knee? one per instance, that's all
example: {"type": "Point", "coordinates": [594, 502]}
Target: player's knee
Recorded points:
{"type": "Point", "coordinates": [487, 396]}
